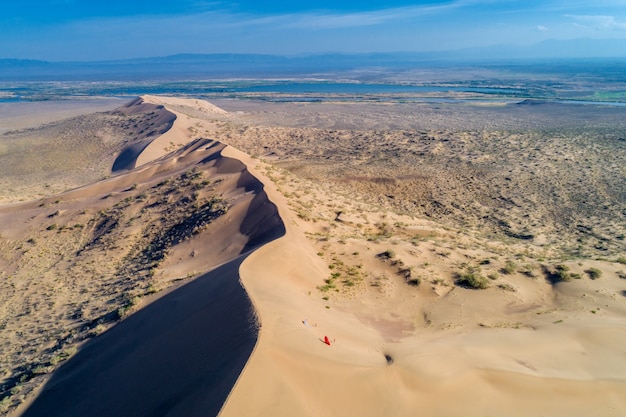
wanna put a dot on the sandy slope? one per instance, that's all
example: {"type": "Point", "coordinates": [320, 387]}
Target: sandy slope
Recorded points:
{"type": "Point", "coordinates": [74, 264]}
{"type": "Point", "coordinates": [378, 365]}
{"type": "Point", "coordinates": [534, 368]}
{"type": "Point", "coordinates": [396, 350]}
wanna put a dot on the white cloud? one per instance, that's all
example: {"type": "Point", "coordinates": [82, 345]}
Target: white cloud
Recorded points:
{"type": "Point", "coordinates": [219, 15]}
{"type": "Point", "coordinates": [333, 20]}
{"type": "Point", "coordinates": [541, 28]}
{"type": "Point", "coordinates": [598, 22]}
{"type": "Point", "coordinates": [322, 19]}
{"type": "Point", "coordinates": [569, 6]}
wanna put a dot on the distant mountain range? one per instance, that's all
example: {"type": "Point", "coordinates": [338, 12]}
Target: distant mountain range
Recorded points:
{"type": "Point", "coordinates": [199, 66]}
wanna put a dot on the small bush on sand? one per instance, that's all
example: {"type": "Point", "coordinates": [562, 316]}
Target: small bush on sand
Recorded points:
{"type": "Point", "coordinates": [472, 279]}
{"type": "Point", "coordinates": [509, 268]}
{"type": "Point", "coordinates": [562, 274]}
{"type": "Point", "coordinates": [388, 254]}
{"type": "Point", "coordinates": [594, 273]}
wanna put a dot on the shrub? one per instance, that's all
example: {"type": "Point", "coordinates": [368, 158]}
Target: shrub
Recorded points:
{"type": "Point", "coordinates": [41, 370]}
{"type": "Point", "coordinates": [509, 267]}
{"type": "Point", "coordinates": [561, 274]}
{"type": "Point", "coordinates": [472, 279]}
{"type": "Point", "coordinates": [528, 271]}
{"type": "Point", "coordinates": [330, 285]}
{"type": "Point", "coordinates": [594, 273]}
{"type": "Point", "coordinates": [415, 281]}
{"type": "Point", "coordinates": [388, 254]}
{"type": "Point", "coordinates": [507, 287]}
{"type": "Point", "coordinates": [5, 403]}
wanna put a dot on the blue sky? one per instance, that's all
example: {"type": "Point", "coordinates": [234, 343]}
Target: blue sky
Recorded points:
{"type": "Point", "coordinates": [61, 30]}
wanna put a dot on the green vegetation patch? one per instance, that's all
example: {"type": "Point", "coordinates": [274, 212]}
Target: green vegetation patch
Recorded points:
{"type": "Point", "coordinates": [594, 273]}
{"type": "Point", "coordinates": [471, 278]}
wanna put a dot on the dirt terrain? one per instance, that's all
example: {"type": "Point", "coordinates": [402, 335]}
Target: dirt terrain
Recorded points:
{"type": "Point", "coordinates": [550, 174]}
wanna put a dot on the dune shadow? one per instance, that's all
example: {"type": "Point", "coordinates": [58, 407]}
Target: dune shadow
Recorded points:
{"type": "Point", "coordinates": [179, 356]}
{"type": "Point", "coordinates": [262, 223]}
{"type": "Point", "coordinates": [151, 121]}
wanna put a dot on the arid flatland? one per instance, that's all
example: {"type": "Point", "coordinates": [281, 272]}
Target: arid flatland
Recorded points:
{"type": "Point", "coordinates": [543, 172]}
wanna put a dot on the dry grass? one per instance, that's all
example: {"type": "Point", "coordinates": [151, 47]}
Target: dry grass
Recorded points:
{"type": "Point", "coordinates": [91, 269]}
{"type": "Point", "coordinates": [536, 181]}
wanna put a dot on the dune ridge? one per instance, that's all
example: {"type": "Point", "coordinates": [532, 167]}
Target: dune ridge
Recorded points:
{"type": "Point", "coordinates": [116, 245]}
{"type": "Point", "coordinates": [161, 121]}
{"type": "Point", "coordinates": [405, 337]}
{"type": "Point", "coordinates": [535, 351]}
{"type": "Point", "coordinates": [515, 372]}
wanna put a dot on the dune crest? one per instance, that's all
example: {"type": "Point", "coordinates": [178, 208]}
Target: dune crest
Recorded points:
{"type": "Point", "coordinates": [520, 348]}
{"type": "Point", "coordinates": [189, 103]}
{"type": "Point", "coordinates": [161, 121]}
{"type": "Point", "coordinates": [363, 372]}
{"type": "Point", "coordinates": [110, 247]}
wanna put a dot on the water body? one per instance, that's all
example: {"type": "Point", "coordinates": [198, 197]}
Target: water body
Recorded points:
{"type": "Point", "coordinates": [43, 91]}
{"type": "Point", "coordinates": [276, 91]}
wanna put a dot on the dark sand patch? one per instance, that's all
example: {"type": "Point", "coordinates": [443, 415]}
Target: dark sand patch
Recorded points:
{"type": "Point", "coordinates": [159, 121]}
{"type": "Point", "coordinates": [179, 356]}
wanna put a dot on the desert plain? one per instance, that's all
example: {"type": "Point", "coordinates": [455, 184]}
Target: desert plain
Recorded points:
{"type": "Point", "coordinates": [461, 258]}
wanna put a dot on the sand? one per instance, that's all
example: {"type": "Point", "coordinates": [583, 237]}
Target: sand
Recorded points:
{"type": "Point", "coordinates": [546, 369]}
{"type": "Point", "coordinates": [77, 263]}
{"type": "Point", "coordinates": [178, 356]}
{"type": "Point", "coordinates": [29, 114]}
{"type": "Point", "coordinates": [526, 345]}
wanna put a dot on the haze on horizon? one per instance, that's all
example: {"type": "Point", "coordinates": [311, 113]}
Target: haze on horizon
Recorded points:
{"type": "Point", "coordinates": [72, 30]}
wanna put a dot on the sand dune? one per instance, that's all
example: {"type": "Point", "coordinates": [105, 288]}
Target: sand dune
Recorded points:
{"type": "Point", "coordinates": [178, 356]}
{"type": "Point", "coordinates": [110, 247]}
{"type": "Point", "coordinates": [161, 121]}
{"type": "Point", "coordinates": [407, 337]}
{"type": "Point", "coordinates": [539, 368]}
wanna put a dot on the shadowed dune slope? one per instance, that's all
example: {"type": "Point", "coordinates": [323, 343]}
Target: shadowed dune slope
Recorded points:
{"type": "Point", "coordinates": [109, 248]}
{"type": "Point", "coordinates": [160, 121]}
{"type": "Point", "coordinates": [180, 356]}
